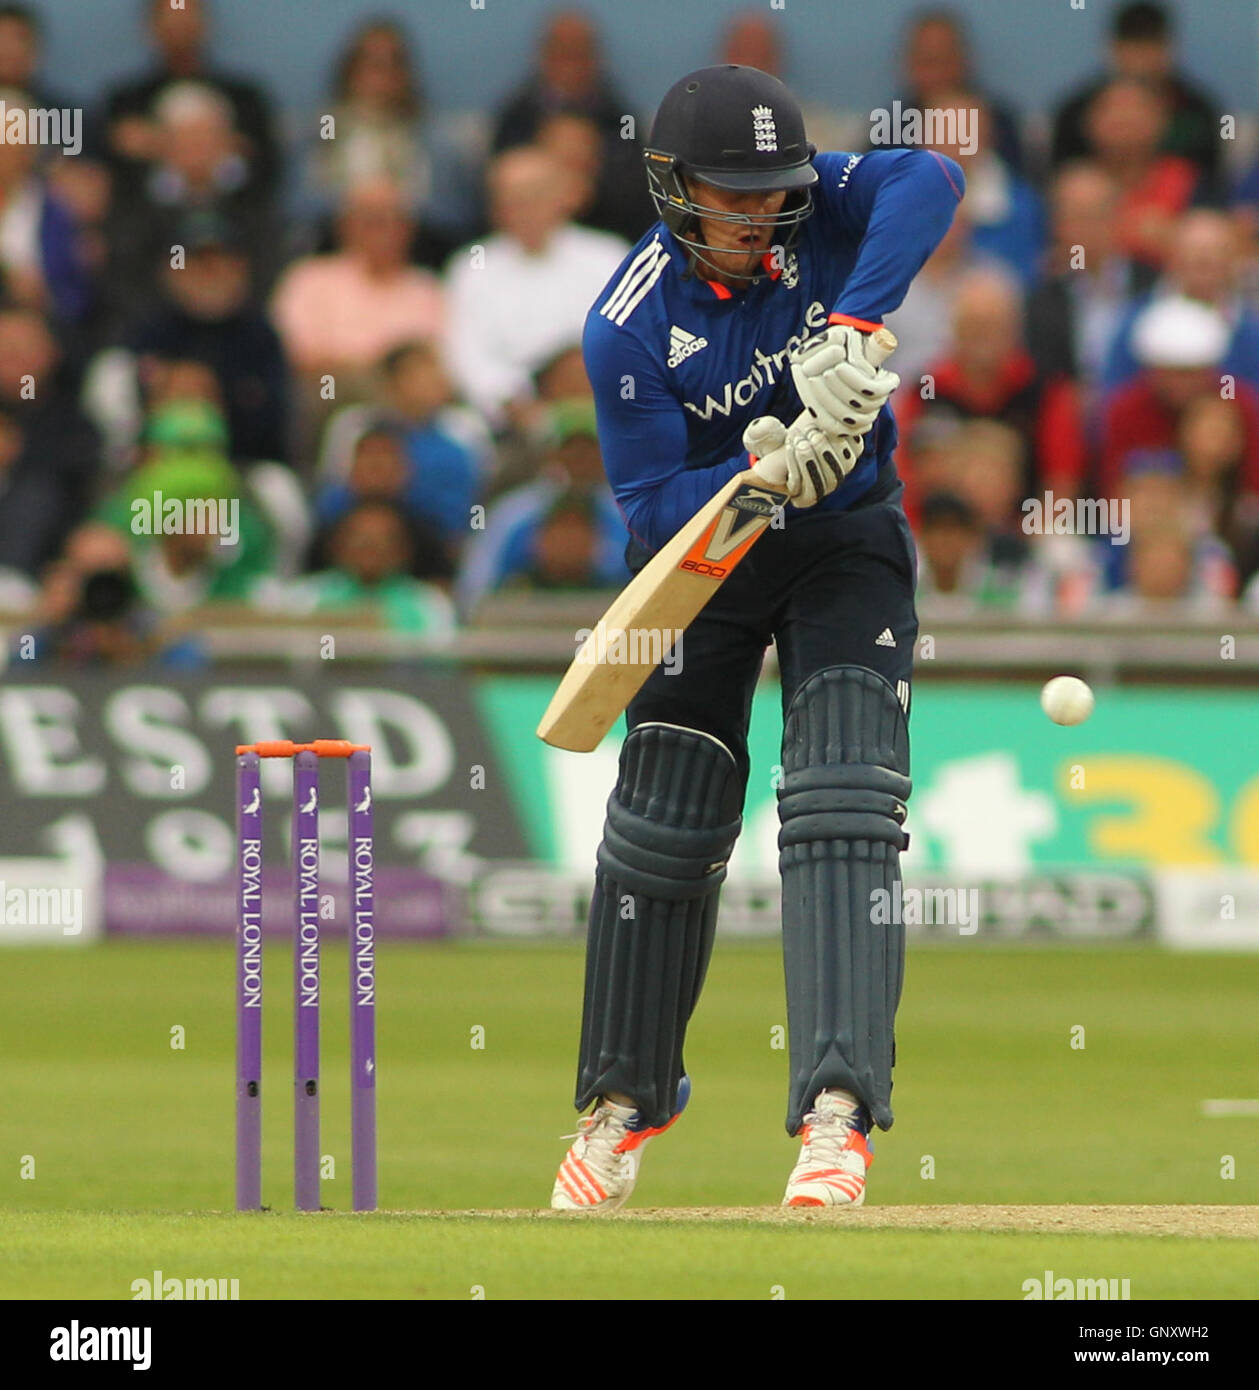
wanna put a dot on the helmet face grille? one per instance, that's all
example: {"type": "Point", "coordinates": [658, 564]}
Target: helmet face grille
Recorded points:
{"type": "Point", "coordinates": [681, 213]}
{"type": "Point", "coordinates": [739, 129]}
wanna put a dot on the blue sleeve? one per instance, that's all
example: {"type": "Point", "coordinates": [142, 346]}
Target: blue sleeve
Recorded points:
{"type": "Point", "coordinates": [1120, 365]}
{"type": "Point", "coordinates": [643, 438]}
{"type": "Point", "coordinates": [898, 204]}
{"type": "Point", "coordinates": [1247, 189]}
{"type": "Point", "coordinates": [62, 268]}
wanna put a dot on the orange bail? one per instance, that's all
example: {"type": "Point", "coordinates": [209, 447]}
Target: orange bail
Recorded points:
{"type": "Point", "coordinates": [320, 747]}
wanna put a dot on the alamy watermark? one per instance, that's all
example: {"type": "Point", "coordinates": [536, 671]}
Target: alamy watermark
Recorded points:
{"type": "Point", "coordinates": [38, 125]}
{"type": "Point", "coordinates": [940, 907]}
{"type": "Point", "coordinates": [631, 646]}
{"type": "Point", "coordinates": [901, 125]}
{"type": "Point", "coordinates": [75, 1341]}
{"type": "Point", "coordinates": [1078, 516]}
{"type": "Point", "coordinates": [160, 515]}
{"type": "Point", "coordinates": [1062, 1288]}
{"type": "Point", "coordinates": [42, 907]}
{"type": "Point", "coordinates": [170, 1288]}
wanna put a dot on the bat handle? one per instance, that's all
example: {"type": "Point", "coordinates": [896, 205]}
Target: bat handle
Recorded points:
{"type": "Point", "coordinates": [880, 346]}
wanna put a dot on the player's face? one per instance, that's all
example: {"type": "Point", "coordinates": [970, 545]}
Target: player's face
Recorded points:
{"type": "Point", "coordinates": [737, 247]}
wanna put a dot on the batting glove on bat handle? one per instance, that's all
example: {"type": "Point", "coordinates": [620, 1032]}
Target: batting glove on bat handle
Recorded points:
{"type": "Point", "coordinates": [763, 439]}
{"type": "Point", "coordinates": [840, 380]}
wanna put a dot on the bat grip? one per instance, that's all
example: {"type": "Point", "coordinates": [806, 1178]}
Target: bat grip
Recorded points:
{"type": "Point", "coordinates": [880, 346]}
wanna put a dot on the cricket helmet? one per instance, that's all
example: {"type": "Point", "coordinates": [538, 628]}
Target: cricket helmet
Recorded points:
{"type": "Point", "coordinates": [738, 129]}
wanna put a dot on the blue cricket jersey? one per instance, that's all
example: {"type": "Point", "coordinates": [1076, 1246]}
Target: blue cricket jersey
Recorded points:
{"type": "Point", "coordinates": [680, 365]}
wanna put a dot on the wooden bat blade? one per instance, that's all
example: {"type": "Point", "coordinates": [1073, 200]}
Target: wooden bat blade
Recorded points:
{"type": "Point", "coordinates": [645, 622]}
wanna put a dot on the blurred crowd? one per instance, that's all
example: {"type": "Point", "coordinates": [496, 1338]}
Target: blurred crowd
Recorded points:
{"type": "Point", "coordinates": [363, 324]}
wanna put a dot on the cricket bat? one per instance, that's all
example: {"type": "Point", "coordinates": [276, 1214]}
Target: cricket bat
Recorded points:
{"type": "Point", "coordinates": [643, 625]}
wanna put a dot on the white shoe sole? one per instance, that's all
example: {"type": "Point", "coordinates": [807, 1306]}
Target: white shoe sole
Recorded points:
{"type": "Point", "coordinates": [820, 1194]}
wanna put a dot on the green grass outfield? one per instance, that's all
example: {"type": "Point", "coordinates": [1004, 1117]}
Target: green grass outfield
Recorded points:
{"type": "Point", "coordinates": [116, 1147]}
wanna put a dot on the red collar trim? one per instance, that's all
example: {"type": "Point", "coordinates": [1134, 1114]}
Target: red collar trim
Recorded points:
{"type": "Point", "coordinates": [725, 292]}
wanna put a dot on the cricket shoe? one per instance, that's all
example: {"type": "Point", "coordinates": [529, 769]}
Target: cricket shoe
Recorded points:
{"type": "Point", "coordinates": [599, 1171]}
{"type": "Point", "coordinates": [831, 1169]}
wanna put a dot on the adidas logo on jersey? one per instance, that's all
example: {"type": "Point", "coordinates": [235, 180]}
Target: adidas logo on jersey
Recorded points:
{"type": "Point", "coordinates": [683, 345]}
{"type": "Point", "coordinates": [885, 638]}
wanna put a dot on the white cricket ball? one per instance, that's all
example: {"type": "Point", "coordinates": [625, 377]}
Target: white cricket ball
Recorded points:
{"type": "Point", "coordinates": [1067, 700]}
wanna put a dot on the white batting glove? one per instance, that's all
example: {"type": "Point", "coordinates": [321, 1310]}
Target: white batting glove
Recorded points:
{"type": "Point", "coordinates": [763, 439]}
{"type": "Point", "coordinates": [838, 386]}
{"type": "Point", "coordinates": [806, 460]}
{"type": "Point", "coordinates": [817, 460]}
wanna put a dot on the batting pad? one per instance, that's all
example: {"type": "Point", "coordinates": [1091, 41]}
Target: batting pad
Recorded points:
{"type": "Point", "coordinates": [841, 807]}
{"type": "Point", "coordinates": [672, 822]}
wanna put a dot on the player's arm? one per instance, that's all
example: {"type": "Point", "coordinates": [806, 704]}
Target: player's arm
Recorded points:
{"type": "Point", "coordinates": [897, 205]}
{"type": "Point", "coordinates": [643, 438]}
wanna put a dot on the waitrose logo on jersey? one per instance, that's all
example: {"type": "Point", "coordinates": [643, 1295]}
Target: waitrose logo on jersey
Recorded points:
{"type": "Point", "coordinates": [765, 369]}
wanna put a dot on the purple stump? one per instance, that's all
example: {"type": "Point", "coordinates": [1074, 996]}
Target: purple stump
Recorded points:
{"type": "Point", "coordinates": [306, 982]}
{"type": "Point", "coordinates": [249, 984]}
{"type": "Point", "coordinates": [362, 982]}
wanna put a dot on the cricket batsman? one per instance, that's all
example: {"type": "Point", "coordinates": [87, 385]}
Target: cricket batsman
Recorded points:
{"type": "Point", "coordinates": [739, 326]}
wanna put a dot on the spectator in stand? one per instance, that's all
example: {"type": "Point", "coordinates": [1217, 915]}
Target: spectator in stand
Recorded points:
{"type": "Point", "coordinates": [563, 377]}
{"type": "Point", "coordinates": [200, 167]}
{"type": "Point", "coordinates": [923, 323]}
{"type": "Point", "coordinates": [1204, 263]}
{"type": "Point", "coordinates": [950, 540]}
{"type": "Point", "coordinates": [339, 314]}
{"type": "Point", "coordinates": [520, 455]}
{"type": "Point", "coordinates": [372, 556]}
{"type": "Point", "coordinates": [207, 314]}
{"type": "Point", "coordinates": [1212, 443]}
{"type": "Point", "coordinates": [31, 502]}
{"type": "Point", "coordinates": [378, 125]}
{"type": "Point", "coordinates": [519, 297]}
{"type": "Point", "coordinates": [1243, 203]}
{"type": "Point", "coordinates": [80, 184]}
{"type": "Point", "coordinates": [963, 568]}
{"type": "Point", "coordinates": [1162, 575]}
{"type": "Point", "coordinates": [570, 78]}
{"type": "Point", "coordinates": [21, 42]}
{"type": "Point", "coordinates": [937, 64]}
{"type": "Point", "coordinates": [577, 143]}
{"type": "Point", "coordinates": [1075, 311]}
{"type": "Point", "coordinates": [382, 469]}
{"type": "Point", "coordinates": [84, 188]}
{"type": "Point", "coordinates": [988, 470]}
{"type": "Point", "coordinates": [52, 453]}
{"type": "Point", "coordinates": [1125, 124]}
{"type": "Point", "coordinates": [185, 460]}
{"type": "Point", "coordinates": [445, 451]}
{"type": "Point", "coordinates": [109, 625]}
{"type": "Point", "coordinates": [935, 463]}
{"type": "Point", "coordinates": [447, 443]}
{"type": "Point", "coordinates": [1153, 484]}
{"type": "Point", "coordinates": [989, 374]}
{"type": "Point", "coordinates": [89, 611]}
{"type": "Point", "coordinates": [508, 547]}
{"type": "Point", "coordinates": [1142, 48]}
{"type": "Point", "coordinates": [753, 40]}
{"type": "Point", "coordinates": [1004, 212]}
{"type": "Point", "coordinates": [564, 554]}
{"type": "Point", "coordinates": [179, 34]}
{"type": "Point", "coordinates": [39, 243]}
{"type": "Point", "coordinates": [1180, 346]}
